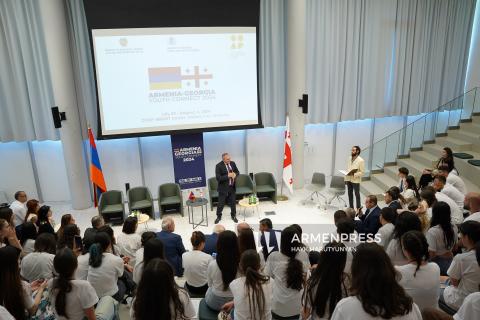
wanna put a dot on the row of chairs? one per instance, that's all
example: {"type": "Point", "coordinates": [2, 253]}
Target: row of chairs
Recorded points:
{"type": "Point", "coordinates": [318, 185]}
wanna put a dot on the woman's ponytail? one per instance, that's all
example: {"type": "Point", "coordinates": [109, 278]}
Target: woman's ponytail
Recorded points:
{"type": "Point", "coordinates": [102, 242]}
{"type": "Point", "coordinates": [65, 264]}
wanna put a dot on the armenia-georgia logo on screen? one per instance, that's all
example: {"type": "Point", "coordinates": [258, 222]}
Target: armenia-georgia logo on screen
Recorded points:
{"type": "Point", "coordinates": [165, 78]}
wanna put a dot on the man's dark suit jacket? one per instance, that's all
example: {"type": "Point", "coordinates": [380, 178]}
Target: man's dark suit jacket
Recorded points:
{"type": "Point", "coordinates": [221, 174]}
{"type": "Point", "coordinates": [369, 223]}
{"type": "Point", "coordinates": [210, 243]}
{"type": "Point", "coordinates": [174, 249]}
{"type": "Point", "coordinates": [273, 242]}
{"type": "Point", "coordinates": [395, 205]}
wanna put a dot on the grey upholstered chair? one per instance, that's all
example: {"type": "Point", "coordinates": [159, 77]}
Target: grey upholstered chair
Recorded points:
{"type": "Point", "coordinates": [244, 185]}
{"type": "Point", "coordinates": [212, 191]}
{"type": "Point", "coordinates": [111, 206]}
{"type": "Point", "coordinates": [140, 198]}
{"type": "Point", "coordinates": [265, 185]}
{"type": "Point", "coordinates": [169, 195]}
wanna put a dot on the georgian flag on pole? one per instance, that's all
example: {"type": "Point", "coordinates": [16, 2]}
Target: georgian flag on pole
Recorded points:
{"type": "Point", "coordinates": [287, 159]}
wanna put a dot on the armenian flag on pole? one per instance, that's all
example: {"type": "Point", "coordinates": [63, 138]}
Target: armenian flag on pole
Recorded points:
{"type": "Point", "coordinates": [96, 174]}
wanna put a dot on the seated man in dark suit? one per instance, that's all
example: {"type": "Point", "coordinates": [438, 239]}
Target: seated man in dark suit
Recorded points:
{"type": "Point", "coordinates": [173, 245]}
{"type": "Point", "coordinates": [266, 229]}
{"type": "Point", "coordinates": [369, 222]}
{"type": "Point", "coordinates": [225, 172]}
{"type": "Point", "coordinates": [211, 239]}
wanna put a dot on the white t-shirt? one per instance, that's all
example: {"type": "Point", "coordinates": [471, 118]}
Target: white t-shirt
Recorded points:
{"type": "Point", "coordinates": [470, 308]}
{"type": "Point", "coordinates": [139, 255]}
{"type": "Point", "coordinates": [37, 265]}
{"type": "Point", "coordinates": [286, 301]}
{"type": "Point", "coordinates": [424, 286]}
{"type": "Point", "coordinates": [408, 194]}
{"type": "Point", "coordinates": [104, 278]}
{"type": "Point", "coordinates": [457, 182]}
{"type": "Point", "coordinates": [454, 194]}
{"type": "Point", "coordinates": [128, 245]}
{"type": "Point", "coordinates": [19, 212]}
{"type": "Point", "coordinates": [350, 308]}
{"type": "Point", "coordinates": [457, 213]}
{"type": "Point", "coordinates": [215, 282]}
{"type": "Point", "coordinates": [137, 272]}
{"type": "Point", "coordinates": [5, 315]}
{"type": "Point", "coordinates": [436, 239]}
{"type": "Point", "coordinates": [473, 217]}
{"type": "Point", "coordinates": [195, 265]}
{"type": "Point", "coordinates": [81, 297]}
{"type": "Point", "coordinates": [82, 267]}
{"type": "Point", "coordinates": [394, 251]}
{"type": "Point", "coordinates": [465, 268]}
{"type": "Point", "coordinates": [242, 306]}
{"type": "Point", "coordinates": [189, 310]}
{"type": "Point", "coordinates": [29, 246]}
{"type": "Point", "coordinates": [386, 234]}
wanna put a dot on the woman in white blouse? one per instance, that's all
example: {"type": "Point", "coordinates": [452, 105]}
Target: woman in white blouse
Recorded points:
{"type": "Point", "coordinates": [129, 241]}
{"type": "Point", "coordinates": [411, 191]}
{"type": "Point", "coordinates": [406, 221]}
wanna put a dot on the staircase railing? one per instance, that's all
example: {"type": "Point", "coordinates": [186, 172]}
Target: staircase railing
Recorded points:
{"type": "Point", "coordinates": [425, 128]}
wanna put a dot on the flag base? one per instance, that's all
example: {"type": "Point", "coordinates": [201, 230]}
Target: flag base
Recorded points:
{"type": "Point", "coordinates": [282, 198]}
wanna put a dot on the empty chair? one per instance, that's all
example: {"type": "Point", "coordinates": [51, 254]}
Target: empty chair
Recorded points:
{"type": "Point", "coordinates": [243, 185]}
{"type": "Point", "coordinates": [111, 206]}
{"type": "Point", "coordinates": [213, 192]}
{"type": "Point", "coordinates": [265, 185]}
{"type": "Point", "coordinates": [337, 189]}
{"type": "Point", "coordinates": [317, 186]}
{"type": "Point", "coordinates": [140, 198]}
{"type": "Point", "coordinates": [169, 195]}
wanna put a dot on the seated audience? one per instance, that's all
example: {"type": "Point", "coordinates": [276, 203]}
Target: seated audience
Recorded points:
{"type": "Point", "coordinates": [32, 210]}
{"type": "Point", "coordinates": [472, 204]}
{"type": "Point", "coordinates": [393, 199]}
{"type": "Point", "coordinates": [406, 221]}
{"type": "Point", "coordinates": [376, 292]}
{"type": "Point", "coordinates": [444, 163]}
{"type": "Point", "coordinates": [402, 176]}
{"type": "Point", "coordinates": [410, 190]}
{"type": "Point", "coordinates": [16, 294]}
{"type": "Point", "coordinates": [159, 297]}
{"type": "Point", "coordinates": [431, 196]}
{"type": "Point", "coordinates": [268, 234]}
{"type": "Point", "coordinates": [211, 239]}
{"type": "Point", "coordinates": [222, 271]}
{"type": "Point", "coordinates": [464, 272]}
{"type": "Point", "coordinates": [419, 278]}
{"type": "Point", "coordinates": [328, 283]}
{"type": "Point", "coordinates": [441, 237]}
{"type": "Point", "coordinates": [76, 299]}
{"type": "Point", "coordinates": [105, 268]}
{"type": "Point", "coordinates": [129, 241]}
{"type": "Point", "coordinates": [369, 222]}
{"type": "Point", "coordinates": [19, 208]}
{"type": "Point", "coordinates": [242, 226]}
{"type": "Point", "coordinates": [173, 245]}
{"type": "Point", "coordinates": [470, 308]}
{"type": "Point", "coordinates": [252, 291]}
{"type": "Point", "coordinates": [288, 268]}
{"type": "Point", "coordinates": [45, 221]}
{"type": "Point", "coordinates": [29, 234]}
{"type": "Point", "coordinates": [351, 213]}
{"type": "Point", "coordinates": [338, 215]}
{"type": "Point", "coordinates": [66, 220]}
{"type": "Point", "coordinates": [153, 249]}
{"type": "Point", "coordinates": [440, 185]}
{"type": "Point", "coordinates": [8, 236]}
{"type": "Point", "coordinates": [147, 235]}
{"type": "Point", "coordinates": [346, 233]}
{"type": "Point", "coordinates": [246, 241]}
{"type": "Point", "coordinates": [195, 265]}
{"type": "Point", "coordinates": [111, 234]}
{"type": "Point", "coordinates": [66, 239]}
{"type": "Point", "coordinates": [39, 264]}
{"type": "Point", "coordinates": [453, 178]}
{"type": "Point", "coordinates": [89, 235]}
{"type": "Point", "coordinates": [388, 217]}
{"type": "Point", "coordinates": [412, 205]}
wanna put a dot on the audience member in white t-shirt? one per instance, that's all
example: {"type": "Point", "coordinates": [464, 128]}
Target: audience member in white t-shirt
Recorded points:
{"type": "Point", "coordinates": [346, 235]}
{"type": "Point", "coordinates": [33, 206]}
{"type": "Point", "coordinates": [154, 248]}
{"type": "Point", "coordinates": [105, 268]}
{"type": "Point", "coordinates": [195, 265]}
{"type": "Point", "coordinates": [129, 241]}
{"type": "Point", "coordinates": [147, 235]}
{"type": "Point", "coordinates": [76, 299]}
{"type": "Point", "coordinates": [27, 240]}
{"type": "Point", "coordinates": [39, 264]}
{"type": "Point", "coordinates": [252, 291]}
{"type": "Point", "coordinates": [441, 237]}
{"type": "Point", "coordinates": [333, 282]}
{"type": "Point", "coordinates": [419, 278]}
{"type": "Point", "coordinates": [288, 268]}
{"type": "Point", "coordinates": [388, 217]}
{"type": "Point", "coordinates": [406, 221]}
{"type": "Point", "coordinates": [377, 294]}
{"type": "Point", "coordinates": [464, 272]}
{"type": "Point", "coordinates": [431, 196]}
{"type": "Point", "coordinates": [472, 204]}
{"type": "Point", "coordinates": [19, 207]}
{"type": "Point", "coordinates": [246, 241]}
{"type": "Point", "coordinates": [159, 297]}
{"type": "Point", "coordinates": [440, 185]}
{"type": "Point", "coordinates": [410, 191]}
{"type": "Point", "coordinates": [470, 308]}
{"type": "Point", "coordinates": [453, 179]}
{"type": "Point", "coordinates": [16, 294]}
{"type": "Point", "coordinates": [222, 271]}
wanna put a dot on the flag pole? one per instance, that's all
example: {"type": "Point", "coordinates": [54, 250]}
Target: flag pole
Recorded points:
{"type": "Point", "coordinates": [282, 197]}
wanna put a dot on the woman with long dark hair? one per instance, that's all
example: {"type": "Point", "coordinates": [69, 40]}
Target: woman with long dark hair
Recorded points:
{"type": "Point", "coordinates": [129, 241]}
{"type": "Point", "coordinates": [66, 238]}
{"type": "Point", "coordinates": [246, 241]}
{"type": "Point", "coordinates": [328, 283]}
{"type": "Point", "coordinates": [75, 299]}
{"type": "Point", "coordinates": [159, 297]}
{"type": "Point", "coordinates": [419, 277]}
{"type": "Point", "coordinates": [252, 292]}
{"type": "Point", "coordinates": [32, 210]}
{"type": "Point", "coordinates": [446, 160]}
{"type": "Point", "coordinates": [288, 268]}
{"type": "Point", "coordinates": [153, 248]}
{"type": "Point", "coordinates": [29, 234]}
{"type": "Point", "coordinates": [222, 271]}
{"type": "Point", "coordinates": [195, 264]}
{"type": "Point", "coordinates": [16, 294]}
{"type": "Point", "coordinates": [45, 221]}
{"type": "Point", "coordinates": [442, 236]}
{"type": "Point", "coordinates": [375, 291]}
{"type": "Point", "coordinates": [66, 220]}
{"type": "Point", "coordinates": [8, 236]}
{"type": "Point", "coordinates": [406, 221]}
{"type": "Point", "coordinates": [39, 264]}
{"type": "Point", "coordinates": [411, 191]}
{"type": "Point", "coordinates": [105, 268]}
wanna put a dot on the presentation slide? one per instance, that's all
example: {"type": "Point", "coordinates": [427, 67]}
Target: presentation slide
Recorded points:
{"type": "Point", "coordinates": [165, 79]}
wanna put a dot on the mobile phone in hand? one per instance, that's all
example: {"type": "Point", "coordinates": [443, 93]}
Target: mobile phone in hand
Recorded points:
{"type": "Point", "coordinates": [78, 242]}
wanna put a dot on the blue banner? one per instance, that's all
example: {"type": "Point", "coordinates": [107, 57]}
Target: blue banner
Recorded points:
{"type": "Point", "coordinates": [188, 160]}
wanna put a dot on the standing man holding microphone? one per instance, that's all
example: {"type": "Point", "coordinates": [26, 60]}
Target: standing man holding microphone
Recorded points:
{"type": "Point", "coordinates": [355, 171]}
{"type": "Point", "coordinates": [225, 172]}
